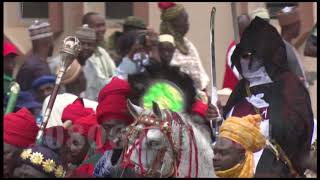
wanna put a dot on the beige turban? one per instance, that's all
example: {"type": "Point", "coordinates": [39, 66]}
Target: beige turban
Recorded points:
{"type": "Point", "coordinates": [261, 13]}
{"type": "Point", "coordinates": [245, 131]}
{"type": "Point", "coordinates": [72, 73]}
{"type": "Point", "coordinates": [288, 15]}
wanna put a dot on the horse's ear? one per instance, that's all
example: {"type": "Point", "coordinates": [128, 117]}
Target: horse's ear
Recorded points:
{"type": "Point", "coordinates": [134, 110]}
{"type": "Point", "coordinates": [156, 109]}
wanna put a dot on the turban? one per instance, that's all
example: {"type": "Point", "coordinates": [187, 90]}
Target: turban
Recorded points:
{"type": "Point", "coordinates": [288, 15]}
{"type": "Point", "coordinates": [245, 131]}
{"type": "Point", "coordinates": [112, 101]}
{"type": "Point", "coordinates": [167, 38]}
{"type": "Point", "coordinates": [9, 48]}
{"type": "Point", "coordinates": [72, 73]}
{"type": "Point", "coordinates": [45, 79]}
{"type": "Point", "coordinates": [260, 12]}
{"type": "Point", "coordinates": [75, 111]}
{"type": "Point", "coordinates": [44, 160]}
{"type": "Point", "coordinates": [86, 126]}
{"type": "Point", "coordinates": [20, 128]}
{"type": "Point", "coordinates": [86, 33]}
{"type": "Point", "coordinates": [170, 10]}
{"type": "Point", "coordinates": [39, 30]}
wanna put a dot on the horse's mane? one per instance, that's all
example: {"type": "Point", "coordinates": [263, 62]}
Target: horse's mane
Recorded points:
{"type": "Point", "coordinates": [156, 71]}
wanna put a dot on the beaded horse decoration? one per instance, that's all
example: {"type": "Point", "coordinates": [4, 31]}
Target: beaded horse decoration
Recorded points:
{"type": "Point", "coordinates": [161, 143]}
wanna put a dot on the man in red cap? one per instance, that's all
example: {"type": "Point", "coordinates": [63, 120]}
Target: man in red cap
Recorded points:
{"type": "Point", "coordinates": [20, 131]}
{"type": "Point", "coordinates": [113, 115]}
{"type": "Point", "coordinates": [9, 54]}
{"type": "Point", "coordinates": [85, 139]}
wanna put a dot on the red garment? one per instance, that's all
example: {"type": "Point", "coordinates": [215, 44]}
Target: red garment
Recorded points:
{"type": "Point", "coordinates": [200, 108]}
{"type": "Point", "coordinates": [83, 171]}
{"type": "Point", "coordinates": [230, 79]}
{"type": "Point", "coordinates": [9, 48]}
{"type": "Point", "coordinates": [75, 111]}
{"type": "Point", "coordinates": [20, 128]}
{"type": "Point", "coordinates": [165, 5]}
{"type": "Point", "coordinates": [113, 101]}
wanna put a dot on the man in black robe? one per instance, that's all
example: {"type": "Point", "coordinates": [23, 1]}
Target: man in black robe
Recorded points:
{"type": "Point", "coordinates": [268, 87]}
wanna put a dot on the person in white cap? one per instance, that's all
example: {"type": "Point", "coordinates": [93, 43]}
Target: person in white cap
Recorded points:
{"type": "Point", "coordinates": [166, 48]}
{"type": "Point", "coordinates": [42, 48]}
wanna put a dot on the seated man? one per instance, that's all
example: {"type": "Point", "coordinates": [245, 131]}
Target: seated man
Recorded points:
{"type": "Point", "coordinates": [19, 131]}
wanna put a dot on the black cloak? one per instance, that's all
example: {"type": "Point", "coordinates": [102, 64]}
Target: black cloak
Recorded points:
{"type": "Point", "coordinates": [291, 117]}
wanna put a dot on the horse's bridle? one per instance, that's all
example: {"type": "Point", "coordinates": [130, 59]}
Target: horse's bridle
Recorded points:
{"type": "Point", "coordinates": [152, 122]}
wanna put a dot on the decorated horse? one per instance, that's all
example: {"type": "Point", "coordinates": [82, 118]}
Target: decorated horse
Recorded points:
{"type": "Point", "coordinates": [163, 143]}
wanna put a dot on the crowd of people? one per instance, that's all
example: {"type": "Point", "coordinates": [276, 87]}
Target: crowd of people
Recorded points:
{"type": "Point", "coordinates": [269, 129]}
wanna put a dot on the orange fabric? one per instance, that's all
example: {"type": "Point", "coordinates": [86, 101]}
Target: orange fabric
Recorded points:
{"type": "Point", "coordinates": [241, 170]}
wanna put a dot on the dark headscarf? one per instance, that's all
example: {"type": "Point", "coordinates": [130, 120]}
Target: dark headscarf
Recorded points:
{"type": "Point", "coordinates": [263, 41]}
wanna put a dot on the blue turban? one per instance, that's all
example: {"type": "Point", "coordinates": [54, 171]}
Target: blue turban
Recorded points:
{"type": "Point", "coordinates": [43, 80]}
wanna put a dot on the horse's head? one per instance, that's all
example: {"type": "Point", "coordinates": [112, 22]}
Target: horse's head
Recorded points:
{"type": "Point", "coordinates": [150, 146]}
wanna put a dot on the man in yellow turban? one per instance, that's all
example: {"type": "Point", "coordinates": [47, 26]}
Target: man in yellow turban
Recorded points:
{"type": "Point", "coordinates": [238, 139]}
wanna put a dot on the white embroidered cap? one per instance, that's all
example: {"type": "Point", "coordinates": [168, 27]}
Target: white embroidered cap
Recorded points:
{"type": "Point", "coordinates": [40, 30]}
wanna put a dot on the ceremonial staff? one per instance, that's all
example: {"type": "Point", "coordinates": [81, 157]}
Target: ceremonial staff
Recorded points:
{"type": "Point", "coordinates": [214, 96]}
{"type": "Point", "coordinates": [69, 51]}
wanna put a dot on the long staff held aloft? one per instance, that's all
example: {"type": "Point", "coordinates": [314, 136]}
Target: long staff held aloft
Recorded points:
{"type": "Point", "coordinates": [214, 96]}
{"type": "Point", "coordinates": [69, 51]}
